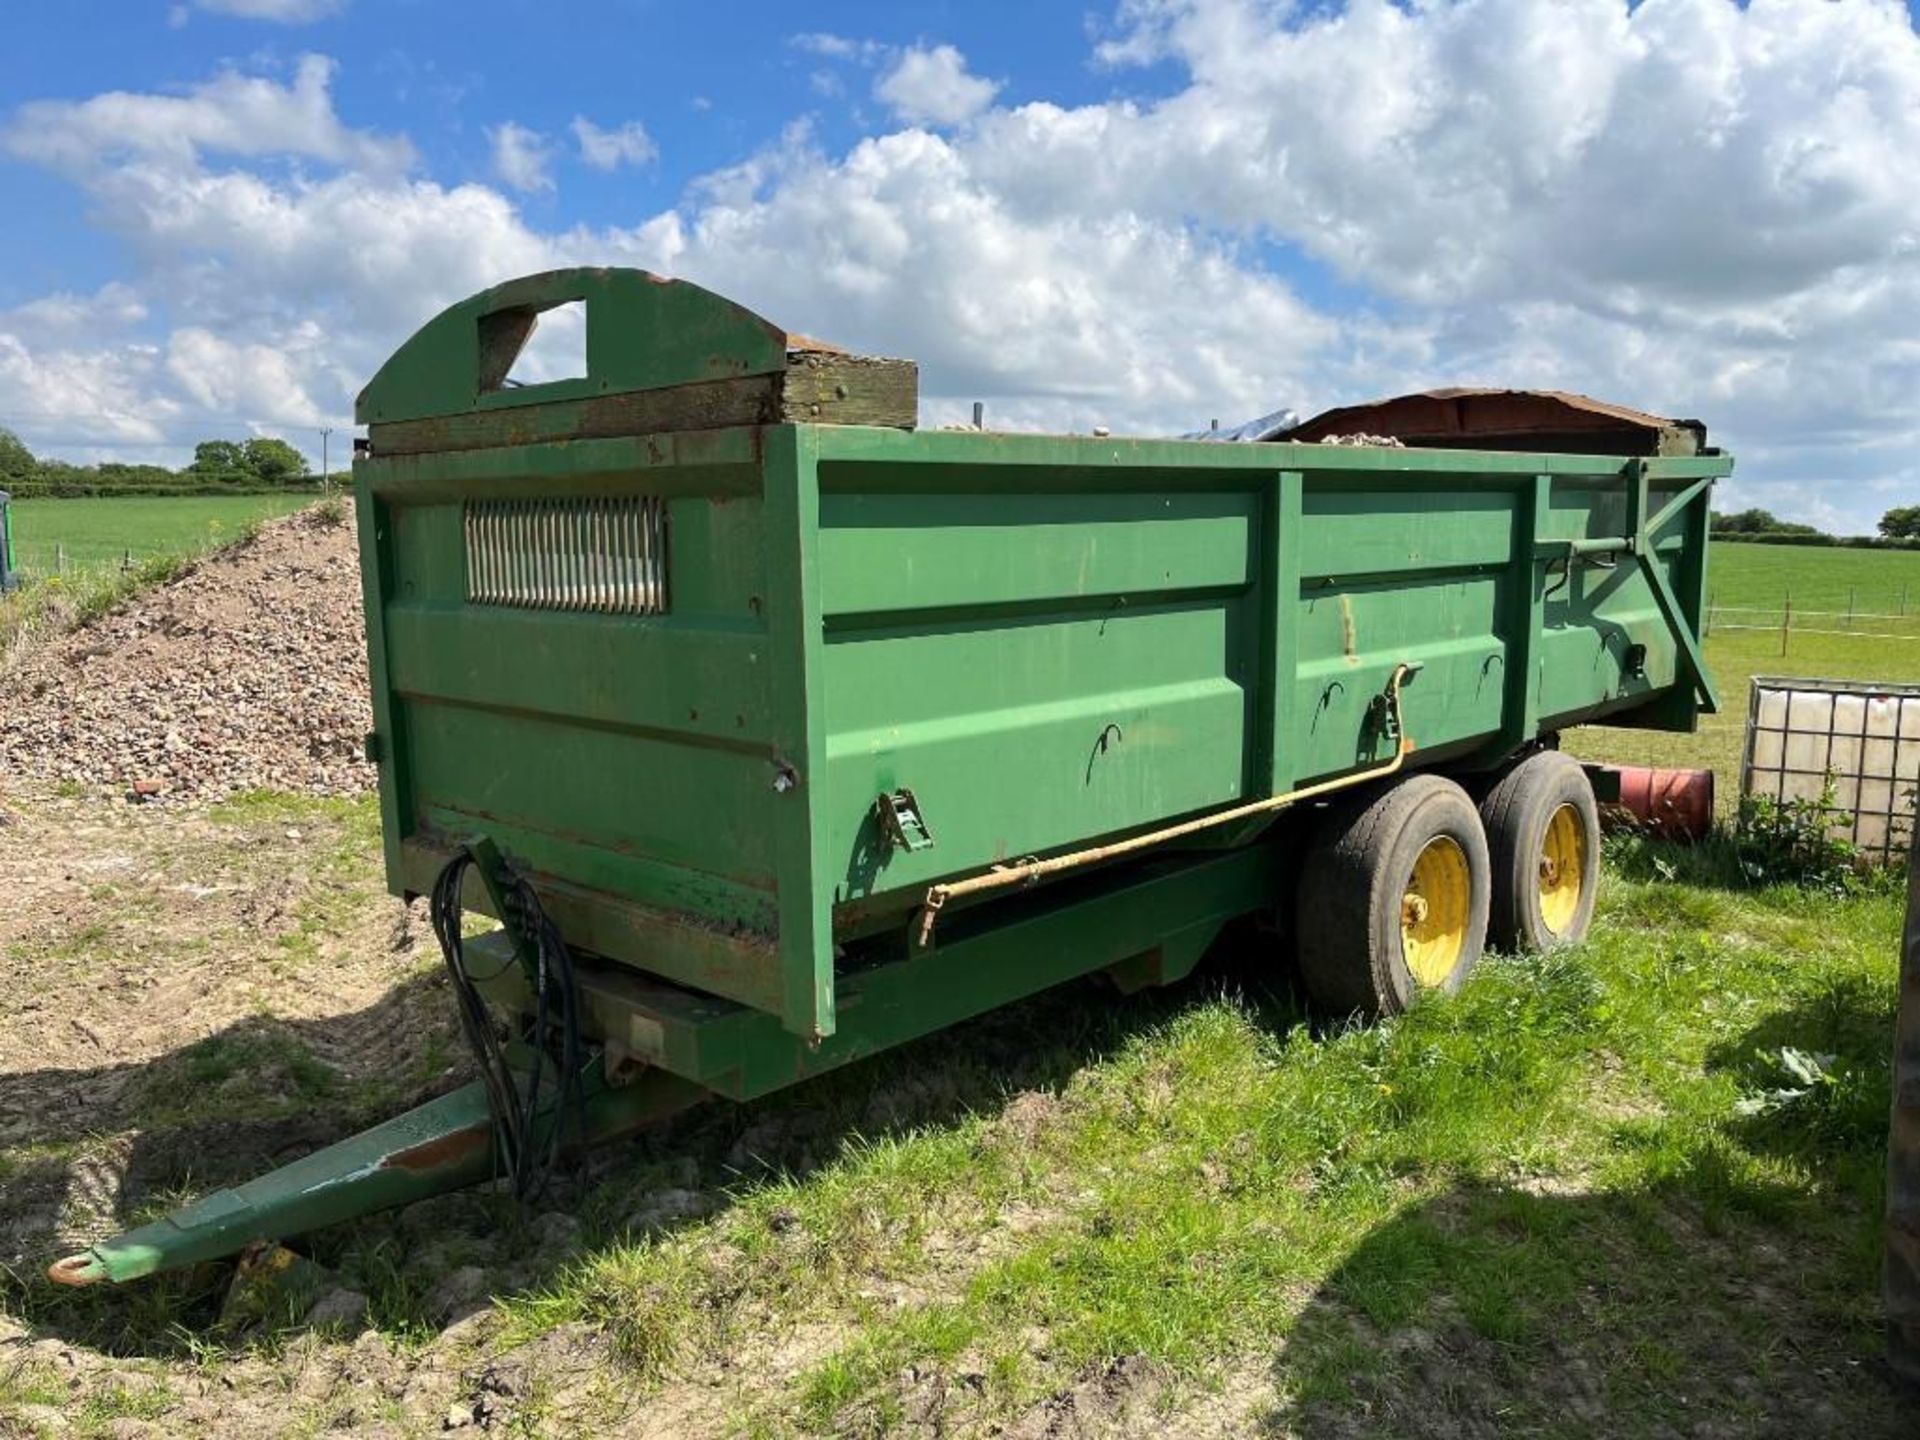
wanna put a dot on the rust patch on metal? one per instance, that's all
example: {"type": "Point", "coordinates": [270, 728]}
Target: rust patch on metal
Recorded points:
{"type": "Point", "coordinates": [807, 345]}
{"type": "Point", "coordinates": [439, 1151]}
{"type": "Point", "coordinates": [81, 1269]}
{"type": "Point", "coordinates": [1491, 418]}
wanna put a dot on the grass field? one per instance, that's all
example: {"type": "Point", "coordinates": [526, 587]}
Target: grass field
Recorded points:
{"type": "Point", "coordinates": [1759, 578]}
{"type": "Point", "coordinates": [97, 534]}
{"type": "Point", "coordinates": [81, 558]}
{"type": "Point", "coordinates": [1818, 577]}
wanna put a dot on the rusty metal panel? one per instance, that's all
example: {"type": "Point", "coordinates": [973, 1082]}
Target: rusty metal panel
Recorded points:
{"type": "Point", "coordinates": [1496, 419]}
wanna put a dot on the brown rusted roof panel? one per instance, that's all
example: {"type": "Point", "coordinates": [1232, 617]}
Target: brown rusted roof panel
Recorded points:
{"type": "Point", "coordinates": [1486, 418]}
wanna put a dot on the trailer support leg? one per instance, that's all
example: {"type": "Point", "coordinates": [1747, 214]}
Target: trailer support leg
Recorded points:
{"type": "Point", "coordinates": [446, 1144]}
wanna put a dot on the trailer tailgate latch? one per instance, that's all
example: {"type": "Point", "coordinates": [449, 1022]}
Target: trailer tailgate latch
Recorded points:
{"type": "Point", "coordinates": [901, 821]}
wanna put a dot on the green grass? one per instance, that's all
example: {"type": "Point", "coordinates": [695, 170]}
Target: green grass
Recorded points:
{"type": "Point", "coordinates": [163, 535]}
{"type": "Point", "coordinates": [1818, 577]}
{"type": "Point", "coordinates": [97, 533]}
{"type": "Point", "coordinates": [1553, 1161]}
{"type": "Point", "coordinates": [1761, 576]}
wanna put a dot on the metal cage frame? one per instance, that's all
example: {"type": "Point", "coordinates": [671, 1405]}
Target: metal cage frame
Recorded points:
{"type": "Point", "coordinates": [1897, 834]}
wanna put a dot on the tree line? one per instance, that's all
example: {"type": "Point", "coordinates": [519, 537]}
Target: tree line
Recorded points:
{"type": "Point", "coordinates": [1899, 529]}
{"type": "Point", "coordinates": [219, 467]}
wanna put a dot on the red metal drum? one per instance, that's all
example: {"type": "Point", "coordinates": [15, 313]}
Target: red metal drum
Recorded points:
{"type": "Point", "coordinates": [1674, 804]}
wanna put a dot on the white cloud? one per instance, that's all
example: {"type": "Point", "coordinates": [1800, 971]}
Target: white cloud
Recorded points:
{"type": "Point", "coordinates": [72, 398]}
{"type": "Point", "coordinates": [1692, 205]}
{"type": "Point", "coordinates": [63, 314]}
{"type": "Point", "coordinates": [840, 47]}
{"type": "Point", "coordinates": [933, 87]}
{"type": "Point", "coordinates": [284, 12]}
{"type": "Point", "coordinates": [1086, 320]}
{"type": "Point", "coordinates": [232, 114]}
{"type": "Point", "coordinates": [263, 299]}
{"type": "Point", "coordinates": [265, 382]}
{"type": "Point", "coordinates": [521, 156]}
{"type": "Point", "coordinates": [627, 144]}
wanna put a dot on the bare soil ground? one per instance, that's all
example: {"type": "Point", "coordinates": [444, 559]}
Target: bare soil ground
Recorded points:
{"type": "Point", "coordinates": [236, 939]}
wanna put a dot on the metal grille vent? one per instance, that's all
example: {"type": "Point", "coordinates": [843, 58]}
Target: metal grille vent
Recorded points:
{"type": "Point", "coordinates": [606, 555]}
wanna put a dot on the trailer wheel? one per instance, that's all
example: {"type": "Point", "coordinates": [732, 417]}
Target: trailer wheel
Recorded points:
{"type": "Point", "coordinates": [1543, 829]}
{"type": "Point", "coordinates": [1392, 899]}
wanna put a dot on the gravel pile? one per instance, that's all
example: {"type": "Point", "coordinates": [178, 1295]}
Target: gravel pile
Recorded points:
{"type": "Point", "coordinates": [247, 673]}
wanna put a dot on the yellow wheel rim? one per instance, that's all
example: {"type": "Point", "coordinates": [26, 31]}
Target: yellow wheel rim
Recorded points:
{"type": "Point", "coordinates": [1563, 869]}
{"type": "Point", "coordinates": [1434, 911]}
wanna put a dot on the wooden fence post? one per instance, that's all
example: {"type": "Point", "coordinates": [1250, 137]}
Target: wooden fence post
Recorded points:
{"type": "Point", "coordinates": [1786, 623]}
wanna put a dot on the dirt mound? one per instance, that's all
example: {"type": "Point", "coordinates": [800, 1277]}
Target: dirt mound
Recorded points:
{"type": "Point", "coordinates": [248, 672]}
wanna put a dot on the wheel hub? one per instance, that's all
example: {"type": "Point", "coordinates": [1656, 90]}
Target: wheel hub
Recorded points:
{"type": "Point", "coordinates": [1563, 858]}
{"type": "Point", "coordinates": [1434, 911]}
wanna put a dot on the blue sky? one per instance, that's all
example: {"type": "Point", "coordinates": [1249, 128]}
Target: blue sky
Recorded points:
{"type": "Point", "coordinates": [711, 83]}
{"type": "Point", "coordinates": [223, 213]}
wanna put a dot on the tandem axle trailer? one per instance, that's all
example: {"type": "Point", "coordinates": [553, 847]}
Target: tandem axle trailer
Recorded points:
{"type": "Point", "coordinates": [777, 732]}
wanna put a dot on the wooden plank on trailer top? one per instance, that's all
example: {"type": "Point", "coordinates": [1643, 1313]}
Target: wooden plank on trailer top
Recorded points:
{"type": "Point", "coordinates": [819, 387]}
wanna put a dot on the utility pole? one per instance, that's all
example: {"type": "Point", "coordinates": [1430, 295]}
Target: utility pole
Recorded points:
{"type": "Point", "coordinates": [325, 487]}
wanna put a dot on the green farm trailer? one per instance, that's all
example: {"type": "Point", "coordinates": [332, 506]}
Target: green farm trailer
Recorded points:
{"type": "Point", "coordinates": [776, 731]}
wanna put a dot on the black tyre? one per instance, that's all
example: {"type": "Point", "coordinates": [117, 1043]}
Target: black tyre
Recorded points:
{"type": "Point", "coordinates": [1392, 898]}
{"type": "Point", "coordinates": [1543, 831]}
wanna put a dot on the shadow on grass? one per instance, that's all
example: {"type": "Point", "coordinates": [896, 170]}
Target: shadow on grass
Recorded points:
{"type": "Point", "coordinates": [1816, 1078]}
{"type": "Point", "coordinates": [1714, 862]}
{"type": "Point", "coordinates": [100, 1149]}
{"type": "Point", "coordinates": [256, 1096]}
{"type": "Point", "coordinates": [1494, 1311]}
{"type": "Point", "coordinates": [1732, 1290]}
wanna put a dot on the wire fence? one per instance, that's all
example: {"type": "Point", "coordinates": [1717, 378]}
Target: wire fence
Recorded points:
{"type": "Point", "coordinates": [49, 558]}
{"type": "Point", "coordinates": [1887, 619]}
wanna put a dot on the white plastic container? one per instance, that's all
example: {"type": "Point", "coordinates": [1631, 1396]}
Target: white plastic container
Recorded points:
{"type": "Point", "coordinates": [1858, 745]}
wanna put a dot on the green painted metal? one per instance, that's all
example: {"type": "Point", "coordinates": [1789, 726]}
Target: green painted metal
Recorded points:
{"type": "Point", "coordinates": [1048, 641]}
{"type": "Point", "coordinates": [1147, 923]}
{"type": "Point", "coordinates": [642, 333]}
{"type": "Point", "coordinates": [7, 578]}
{"type": "Point", "coordinates": [665, 1047]}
